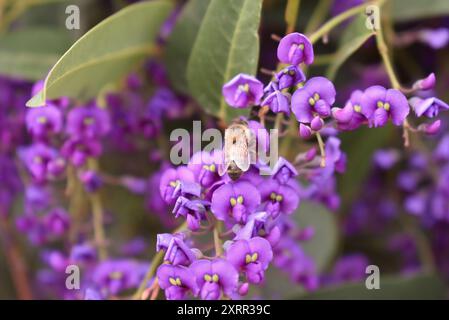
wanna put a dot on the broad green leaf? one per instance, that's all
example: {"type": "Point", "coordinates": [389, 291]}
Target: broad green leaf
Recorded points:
{"type": "Point", "coordinates": [355, 35]}
{"type": "Point", "coordinates": [30, 53]}
{"type": "Point", "coordinates": [391, 287]}
{"type": "Point", "coordinates": [181, 42]}
{"type": "Point", "coordinates": [322, 248]}
{"type": "Point", "coordinates": [359, 149]}
{"type": "Point", "coordinates": [227, 44]}
{"type": "Point", "coordinates": [106, 52]}
{"type": "Point", "coordinates": [407, 10]}
{"type": "Point", "coordinates": [323, 245]}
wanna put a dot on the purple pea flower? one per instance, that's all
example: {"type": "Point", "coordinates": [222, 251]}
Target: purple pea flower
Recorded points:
{"type": "Point", "coordinates": [283, 171]}
{"type": "Point", "coordinates": [278, 198]}
{"type": "Point", "coordinates": [378, 104]}
{"type": "Point", "coordinates": [88, 122]}
{"type": "Point", "coordinates": [171, 179]}
{"type": "Point", "coordinates": [278, 102]}
{"type": "Point", "coordinates": [37, 158]}
{"type": "Point", "coordinates": [295, 48]}
{"type": "Point", "coordinates": [259, 224]}
{"type": "Point", "coordinates": [57, 222]}
{"type": "Point", "coordinates": [193, 210]}
{"type": "Point", "coordinates": [314, 100]}
{"type": "Point", "coordinates": [425, 84]}
{"type": "Point", "coordinates": [177, 281]}
{"type": "Point", "coordinates": [251, 256]}
{"type": "Point", "coordinates": [289, 77]}
{"type": "Point", "coordinates": [178, 253]}
{"type": "Point", "coordinates": [236, 200]}
{"type": "Point", "coordinates": [91, 180]}
{"type": "Point", "coordinates": [215, 277]}
{"type": "Point", "coordinates": [78, 150]}
{"type": "Point", "coordinates": [429, 107]}
{"type": "Point", "coordinates": [243, 91]}
{"type": "Point", "coordinates": [204, 166]}
{"type": "Point", "coordinates": [350, 117]}
{"type": "Point", "coordinates": [41, 122]}
{"type": "Point", "coordinates": [435, 38]}
{"type": "Point", "coordinates": [115, 276]}
{"type": "Point", "coordinates": [83, 253]}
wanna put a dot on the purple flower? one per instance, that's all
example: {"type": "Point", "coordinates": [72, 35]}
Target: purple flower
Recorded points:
{"type": "Point", "coordinates": [425, 84]}
{"type": "Point", "coordinates": [429, 107]}
{"type": "Point", "coordinates": [289, 77]}
{"type": "Point", "coordinates": [91, 180]}
{"type": "Point", "coordinates": [215, 277]}
{"type": "Point", "coordinates": [164, 102]}
{"type": "Point", "coordinates": [177, 281]}
{"type": "Point", "coordinates": [295, 48]}
{"type": "Point", "coordinates": [251, 256]}
{"type": "Point", "coordinates": [171, 179]}
{"type": "Point", "coordinates": [193, 210]}
{"type": "Point", "coordinates": [378, 104]}
{"type": "Point", "coordinates": [83, 253]}
{"type": "Point", "coordinates": [236, 200]}
{"type": "Point", "coordinates": [37, 158]}
{"type": "Point", "coordinates": [313, 100]}
{"type": "Point", "coordinates": [78, 150]}
{"type": "Point", "coordinates": [283, 171]}
{"type": "Point", "coordinates": [178, 253]}
{"type": "Point", "coordinates": [278, 102]}
{"type": "Point", "coordinates": [435, 38]}
{"type": "Point", "coordinates": [386, 159]}
{"type": "Point", "coordinates": [279, 198]}
{"type": "Point", "coordinates": [44, 121]}
{"type": "Point", "coordinates": [204, 166]}
{"type": "Point", "coordinates": [259, 224]}
{"type": "Point", "coordinates": [350, 268]}
{"type": "Point", "coordinates": [350, 117]}
{"type": "Point", "coordinates": [115, 276]}
{"type": "Point", "coordinates": [243, 91]}
{"type": "Point", "coordinates": [57, 222]}
{"type": "Point", "coordinates": [88, 122]}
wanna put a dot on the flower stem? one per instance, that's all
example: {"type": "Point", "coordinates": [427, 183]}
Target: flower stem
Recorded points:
{"type": "Point", "coordinates": [317, 16]}
{"type": "Point", "coordinates": [383, 51]}
{"type": "Point", "coordinates": [322, 151]}
{"type": "Point", "coordinates": [15, 261]}
{"type": "Point", "coordinates": [291, 14]}
{"type": "Point", "coordinates": [217, 240]}
{"type": "Point", "coordinates": [97, 211]}
{"type": "Point", "coordinates": [332, 23]}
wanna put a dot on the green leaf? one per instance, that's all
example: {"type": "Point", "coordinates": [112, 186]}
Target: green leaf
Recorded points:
{"type": "Point", "coordinates": [106, 52]}
{"type": "Point", "coordinates": [355, 35]}
{"type": "Point", "coordinates": [227, 44]}
{"type": "Point", "coordinates": [181, 42]}
{"type": "Point", "coordinates": [30, 53]}
{"type": "Point", "coordinates": [407, 10]}
{"type": "Point", "coordinates": [323, 245]}
{"type": "Point", "coordinates": [417, 287]}
{"type": "Point", "coordinates": [322, 248]}
{"type": "Point", "coordinates": [359, 149]}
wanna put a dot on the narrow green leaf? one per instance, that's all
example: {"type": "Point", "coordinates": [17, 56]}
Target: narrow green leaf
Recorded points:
{"type": "Point", "coordinates": [355, 35]}
{"type": "Point", "coordinates": [417, 287]}
{"type": "Point", "coordinates": [30, 53]}
{"type": "Point", "coordinates": [407, 10]}
{"type": "Point", "coordinates": [227, 44]}
{"type": "Point", "coordinates": [180, 43]}
{"type": "Point", "coordinates": [105, 53]}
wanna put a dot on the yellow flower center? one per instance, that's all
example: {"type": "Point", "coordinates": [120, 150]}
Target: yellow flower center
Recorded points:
{"type": "Point", "coordinates": [41, 120]}
{"type": "Point", "coordinates": [251, 258]}
{"type": "Point", "coordinates": [357, 108]}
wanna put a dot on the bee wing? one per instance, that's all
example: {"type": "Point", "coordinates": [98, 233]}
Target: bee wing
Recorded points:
{"type": "Point", "coordinates": [239, 151]}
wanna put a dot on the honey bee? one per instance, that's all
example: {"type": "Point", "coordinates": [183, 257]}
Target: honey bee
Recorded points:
{"type": "Point", "coordinates": [239, 149]}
